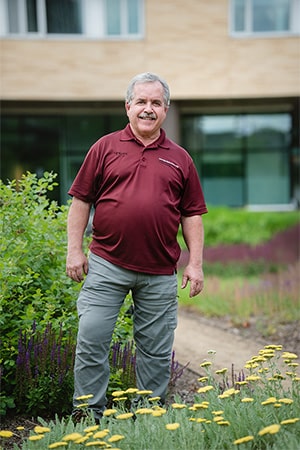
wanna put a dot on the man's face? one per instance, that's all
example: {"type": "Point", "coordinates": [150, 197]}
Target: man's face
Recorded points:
{"type": "Point", "coordinates": [147, 110]}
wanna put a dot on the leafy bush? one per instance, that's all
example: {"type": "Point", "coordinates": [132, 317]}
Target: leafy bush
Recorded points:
{"type": "Point", "coordinates": [34, 286]}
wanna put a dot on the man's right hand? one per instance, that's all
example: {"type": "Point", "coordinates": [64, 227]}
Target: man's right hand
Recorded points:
{"type": "Point", "coordinates": [76, 266]}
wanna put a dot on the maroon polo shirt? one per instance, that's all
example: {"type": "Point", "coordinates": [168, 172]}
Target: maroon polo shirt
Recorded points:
{"type": "Point", "coordinates": [139, 194]}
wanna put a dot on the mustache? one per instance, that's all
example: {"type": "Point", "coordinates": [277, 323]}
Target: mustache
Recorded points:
{"type": "Point", "coordinates": [147, 116]}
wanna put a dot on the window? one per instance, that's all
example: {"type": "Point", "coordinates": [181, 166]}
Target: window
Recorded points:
{"type": "Point", "coordinates": [65, 140]}
{"type": "Point", "coordinates": [265, 17]}
{"type": "Point", "coordinates": [243, 159]}
{"type": "Point", "coordinates": [84, 18]}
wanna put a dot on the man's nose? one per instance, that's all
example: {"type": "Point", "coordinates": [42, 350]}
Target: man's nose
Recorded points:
{"type": "Point", "coordinates": [148, 107]}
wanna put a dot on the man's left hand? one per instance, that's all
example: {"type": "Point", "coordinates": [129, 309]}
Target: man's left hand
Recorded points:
{"type": "Point", "coordinates": [193, 275]}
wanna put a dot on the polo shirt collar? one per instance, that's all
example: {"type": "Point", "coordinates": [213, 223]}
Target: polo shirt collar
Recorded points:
{"type": "Point", "coordinates": [161, 141]}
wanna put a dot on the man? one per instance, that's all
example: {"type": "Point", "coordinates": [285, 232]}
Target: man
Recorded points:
{"type": "Point", "coordinates": [142, 186]}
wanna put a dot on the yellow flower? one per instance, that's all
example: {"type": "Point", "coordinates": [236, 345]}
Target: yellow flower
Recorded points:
{"type": "Point", "coordinates": [205, 389]}
{"type": "Point", "coordinates": [243, 439]}
{"type": "Point", "coordinates": [252, 378]}
{"type": "Point", "coordinates": [202, 379]}
{"type": "Point", "coordinates": [241, 383]}
{"type": "Point", "coordinates": [82, 439]}
{"type": "Point", "coordinates": [131, 391]}
{"type": "Point", "coordinates": [221, 371]}
{"type": "Point", "coordinates": [58, 444]}
{"type": "Point", "coordinates": [72, 437]}
{"type": "Point", "coordinates": [124, 416]}
{"type": "Point", "coordinates": [91, 428]}
{"type": "Point", "coordinates": [144, 411]}
{"type": "Point", "coordinates": [101, 434]}
{"type": "Point", "coordinates": [247, 399]}
{"type": "Point", "coordinates": [120, 399]}
{"type": "Point", "coordinates": [172, 426]}
{"type": "Point", "coordinates": [85, 397]}
{"type": "Point", "coordinates": [293, 364]}
{"type": "Point", "coordinates": [251, 365]}
{"type": "Point", "coordinates": [217, 413]}
{"type": "Point", "coordinates": [202, 405]}
{"type": "Point", "coordinates": [218, 418]}
{"type": "Point", "coordinates": [288, 421]}
{"type": "Point", "coordinates": [144, 392]}
{"type": "Point", "coordinates": [82, 405]}
{"type": "Point", "coordinates": [118, 393]}
{"type": "Point", "coordinates": [95, 443]}
{"type": "Point", "coordinates": [231, 391]}
{"type": "Point", "coordinates": [116, 438]}
{"type": "Point", "coordinates": [223, 422]}
{"type": "Point", "coordinates": [269, 401]}
{"type": "Point", "coordinates": [153, 399]}
{"type": "Point", "coordinates": [273, 347]}
{"type": "Point", "coordinates": [39, 429]}
{"type": "Point", "coordinates": [271, 429]}
{"type": "Point", "coordinates": [20, 428]}
{"type": "Point", "coordinates": [200, 420]}
{"type": "Point", "coordinates": [158, 413]}
{"type": "Point", "coordinates": [205, 364]}
{"type": "Point", "coordinates": [279, 376]}
{"type": "Point", "coordinates": [178, 406]}
{"type": "Point", "coordinates": [6, 433]}
{"type": "Point", "coordinates": [287, 401]}
{"type": "Point", "coordinates": [109, 412]}
{"type": "Point", "coordinates": [36, 437]}
{"type": "Point", "coordinates": [288, 355]}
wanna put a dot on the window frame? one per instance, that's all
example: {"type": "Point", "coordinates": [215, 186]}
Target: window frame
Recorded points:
{"type": "Point", "coordinates": [86, 6]}
{"type": "Point", "coordinates": [248, 32]}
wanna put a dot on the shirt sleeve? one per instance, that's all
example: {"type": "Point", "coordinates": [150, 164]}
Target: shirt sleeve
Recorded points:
{"type": "Point", "coordinates": [86, 182]}
{"type": "Point", "coordinates": [192, 201]}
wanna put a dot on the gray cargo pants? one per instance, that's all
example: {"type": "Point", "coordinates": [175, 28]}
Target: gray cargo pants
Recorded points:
{"type": "Point", "coordinates": [155, 319]}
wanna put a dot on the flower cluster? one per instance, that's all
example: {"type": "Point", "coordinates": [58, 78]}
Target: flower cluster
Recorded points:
{"type": "Point", "coordinates": [261, 407]}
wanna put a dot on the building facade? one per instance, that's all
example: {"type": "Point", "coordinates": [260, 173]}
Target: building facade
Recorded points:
{"type": "Point", "coordinates": [233, 67]}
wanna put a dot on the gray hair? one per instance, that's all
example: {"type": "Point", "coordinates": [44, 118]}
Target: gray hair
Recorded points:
{"type": "Point", "coordinates": [148, 77]}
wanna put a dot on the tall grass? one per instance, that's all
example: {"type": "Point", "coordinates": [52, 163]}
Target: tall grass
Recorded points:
{"type": "Point", "coordinates": [275, 296]}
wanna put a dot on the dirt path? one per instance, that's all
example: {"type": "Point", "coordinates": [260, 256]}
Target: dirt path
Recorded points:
{"type": "Point", "coordinates": [196, 335]}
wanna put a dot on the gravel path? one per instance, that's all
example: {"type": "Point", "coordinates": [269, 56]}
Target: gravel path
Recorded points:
{"type": "Point", "coordinates": [195, 336]}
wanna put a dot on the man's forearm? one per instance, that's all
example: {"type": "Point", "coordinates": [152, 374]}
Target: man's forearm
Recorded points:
{"type": "Point", "coordinates": [193, 233]}
{"type": "Point", "coordinates": [77, 221]}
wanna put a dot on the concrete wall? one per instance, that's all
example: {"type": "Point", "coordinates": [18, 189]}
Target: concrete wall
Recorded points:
{"type": "Point", "coordinates": [187, 42]}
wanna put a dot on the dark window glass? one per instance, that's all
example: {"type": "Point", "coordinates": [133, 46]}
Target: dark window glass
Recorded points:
{"type": "Point", "coordinates": [31, 16]}
{"type": "Point", "coordinates": [64, 16]}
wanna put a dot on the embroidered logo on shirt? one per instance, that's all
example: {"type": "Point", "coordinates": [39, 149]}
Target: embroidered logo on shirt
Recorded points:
{"type": "Point", "coordinates": [169, 162]}
{"type": "Point", "coordinates": [120, 153]}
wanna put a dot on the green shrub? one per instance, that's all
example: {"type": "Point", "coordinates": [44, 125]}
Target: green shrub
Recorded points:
{"type": "Point", "coordinates": [34, 286]}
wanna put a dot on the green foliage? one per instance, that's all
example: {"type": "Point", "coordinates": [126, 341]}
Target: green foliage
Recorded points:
{"type": "Point", "coordinates": [235, 226]}
{"type": "Point", "coordinates": [34, 286]}
{"type": "Point", "coordinates": [257, 408]}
